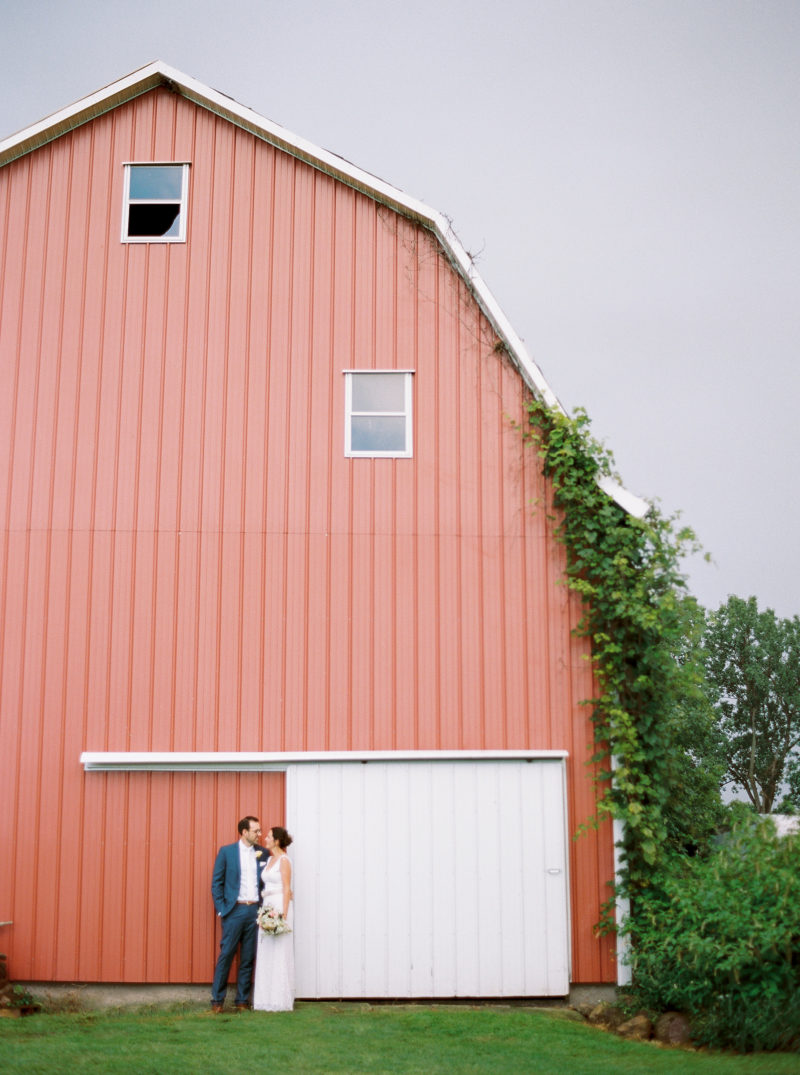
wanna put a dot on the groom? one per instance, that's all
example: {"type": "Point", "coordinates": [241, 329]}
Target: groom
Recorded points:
{"type": "Point", "coordinates": [236, 887]}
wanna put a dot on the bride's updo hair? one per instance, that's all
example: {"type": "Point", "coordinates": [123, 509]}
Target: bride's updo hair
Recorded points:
{"type": "Point", "coordinates": [281, 835]}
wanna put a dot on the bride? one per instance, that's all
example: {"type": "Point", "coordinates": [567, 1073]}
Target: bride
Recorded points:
{"type": "Point", "coordinates": [273, 990]}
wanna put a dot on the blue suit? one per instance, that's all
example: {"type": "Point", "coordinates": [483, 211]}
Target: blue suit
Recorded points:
{"type": "Point", "coordinates": [238, 922]}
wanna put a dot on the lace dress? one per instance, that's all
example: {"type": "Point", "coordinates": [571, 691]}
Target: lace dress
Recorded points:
{"type": "Point", "coordinates": [273, 989]}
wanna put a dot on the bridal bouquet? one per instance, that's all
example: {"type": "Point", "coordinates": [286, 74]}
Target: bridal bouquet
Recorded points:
{"type": "Point", "coordinates": [272, 921]}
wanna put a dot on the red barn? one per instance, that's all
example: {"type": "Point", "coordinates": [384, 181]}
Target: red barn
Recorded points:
{"type": "Point", "coordinates": [272, 543]}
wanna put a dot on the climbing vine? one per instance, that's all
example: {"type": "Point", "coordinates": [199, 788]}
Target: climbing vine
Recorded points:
{"type": "Point", "coordinates": [636, 614]}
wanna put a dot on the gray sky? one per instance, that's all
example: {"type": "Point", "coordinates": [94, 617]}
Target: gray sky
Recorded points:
{"type": "Point", "coordinates": [626, 172]}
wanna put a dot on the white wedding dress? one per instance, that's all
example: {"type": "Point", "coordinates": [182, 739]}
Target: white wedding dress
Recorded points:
{"type": "Point", "coordinates": [273, 989]}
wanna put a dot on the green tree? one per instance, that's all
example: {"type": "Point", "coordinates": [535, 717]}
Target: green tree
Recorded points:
{"type": "Point", "coordinates": [753, 673]}
{"type": "Point", "coordinates": [791, 802]}
{"type": "Point", "coordinates": [694, 811]}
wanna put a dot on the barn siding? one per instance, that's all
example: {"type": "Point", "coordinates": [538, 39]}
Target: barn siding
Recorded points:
{"type": "Point", "coordinates": [188, 560]}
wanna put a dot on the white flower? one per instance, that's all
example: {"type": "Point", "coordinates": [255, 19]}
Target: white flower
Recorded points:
{"type": "Point", "coordinates": [272, 921]}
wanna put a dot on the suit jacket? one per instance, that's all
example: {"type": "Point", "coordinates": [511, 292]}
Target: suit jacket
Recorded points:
{"type": "Point", "coordinates": [226, 877]}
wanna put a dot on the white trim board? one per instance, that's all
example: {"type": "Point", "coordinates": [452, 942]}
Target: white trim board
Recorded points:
{"type": "Point", "coordinates": [246, 761]}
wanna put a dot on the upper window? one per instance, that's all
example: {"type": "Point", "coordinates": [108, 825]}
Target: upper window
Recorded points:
{"type": "Point", "coordinates": [378, 413]}
{"type": "Point", "coordinates": [154, 203]}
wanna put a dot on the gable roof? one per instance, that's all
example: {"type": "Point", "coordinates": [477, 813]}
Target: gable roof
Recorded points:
{"type": "Point", "coordinates": [160, 74]}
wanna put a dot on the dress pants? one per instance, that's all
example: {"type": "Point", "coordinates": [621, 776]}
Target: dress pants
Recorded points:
{"type": "Point", "coordinates": [238, 928]}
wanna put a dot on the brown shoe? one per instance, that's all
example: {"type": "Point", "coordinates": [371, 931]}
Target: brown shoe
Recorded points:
{"type": "Point", "coordinates": [216, 1009]}
{"type": "Point", "coordinates": [243, 1007]}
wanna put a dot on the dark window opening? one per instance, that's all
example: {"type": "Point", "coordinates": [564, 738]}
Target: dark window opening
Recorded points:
{"type": "Point", "coordinates": [162, 221]}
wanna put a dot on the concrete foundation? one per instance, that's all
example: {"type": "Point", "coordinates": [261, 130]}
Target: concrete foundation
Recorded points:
{"type": "Point", "coordinates": [85, 996]}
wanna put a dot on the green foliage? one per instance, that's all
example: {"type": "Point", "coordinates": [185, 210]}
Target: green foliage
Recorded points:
{"type": "Point", "coordinates": [719, 939]}
{"type": "Point", "coordinates": [792, 800]}
{"type": "Point", "coordinates": [22, 998]}
{"type": "Point", "coordinates": [737, 811]}
{"type": "Point", "coordinates": [638, 617]}
{"type": "Point", "coordinates": [694, 811]}
{"type": "Point", "coordinates": [753, 670]}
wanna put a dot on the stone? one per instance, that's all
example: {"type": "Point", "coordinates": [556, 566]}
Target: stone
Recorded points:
{"type": "Point", "coordinates": [585, 1008]}
{"type": "Point", "coordinates": [638, 1028]}
{"type": "Point", "coordinates": [672, 1028]}
{"type": "Point", "coordinates": [606, 1015]}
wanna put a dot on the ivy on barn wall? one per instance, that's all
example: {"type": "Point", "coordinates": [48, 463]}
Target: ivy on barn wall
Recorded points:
{"type": "Point", "coordinates": [636, 612]}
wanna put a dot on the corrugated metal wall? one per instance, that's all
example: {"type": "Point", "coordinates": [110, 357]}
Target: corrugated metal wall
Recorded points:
{"type": "Point", "coordinates": [188, 560]}
{"type": "Point", "coordinates": [109, 879]}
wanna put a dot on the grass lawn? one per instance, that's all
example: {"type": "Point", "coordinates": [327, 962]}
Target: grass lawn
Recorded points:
{"type": "Point", "coordinates": [346, 1038]}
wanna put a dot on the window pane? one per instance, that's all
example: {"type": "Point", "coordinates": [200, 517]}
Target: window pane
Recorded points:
{"type": "Point", "coordinates": [378, 434]}
{"type": "Point", "coordinates": [379, 391]}
{"type": "Point", "coordinates": [156, 221]}
{"type": "Point", "coordinates": [156, 181]}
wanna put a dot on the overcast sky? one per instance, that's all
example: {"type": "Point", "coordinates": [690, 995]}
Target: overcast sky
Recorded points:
{"type": "Point", "coordinates": [626, 173]}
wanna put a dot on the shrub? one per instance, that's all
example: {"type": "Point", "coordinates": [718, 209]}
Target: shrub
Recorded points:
{"type": "Point", "coordinates": [719, 939]}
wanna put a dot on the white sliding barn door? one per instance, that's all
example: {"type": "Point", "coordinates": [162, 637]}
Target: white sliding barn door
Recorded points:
{"type": "Point", "coordinates": [429, 878]}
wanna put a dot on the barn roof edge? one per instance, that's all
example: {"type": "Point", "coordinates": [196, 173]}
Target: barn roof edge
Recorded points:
{"type": "Point", "coordinates": [158, 73]}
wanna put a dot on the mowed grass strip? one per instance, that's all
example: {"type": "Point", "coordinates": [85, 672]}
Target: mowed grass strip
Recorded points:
{"type": "Point", "coordinates": [347, 1037]}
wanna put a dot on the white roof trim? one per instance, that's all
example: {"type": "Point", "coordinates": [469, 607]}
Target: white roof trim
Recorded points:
{"type": "Point", "coordinates": [628, 501]}
{"type": "Point", "coordinates": [243, 761]}
{"type": "Point", "coordinates": [160, 74]}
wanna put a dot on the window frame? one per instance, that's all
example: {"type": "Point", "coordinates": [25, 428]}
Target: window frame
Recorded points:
{"type": "Point", "coordinates": [183, 201]}
{"type": "Point", "coordinates": [407, 413]}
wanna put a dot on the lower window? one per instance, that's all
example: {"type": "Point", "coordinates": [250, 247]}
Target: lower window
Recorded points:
{"type": "Point", "coordinates": [378, 413]}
